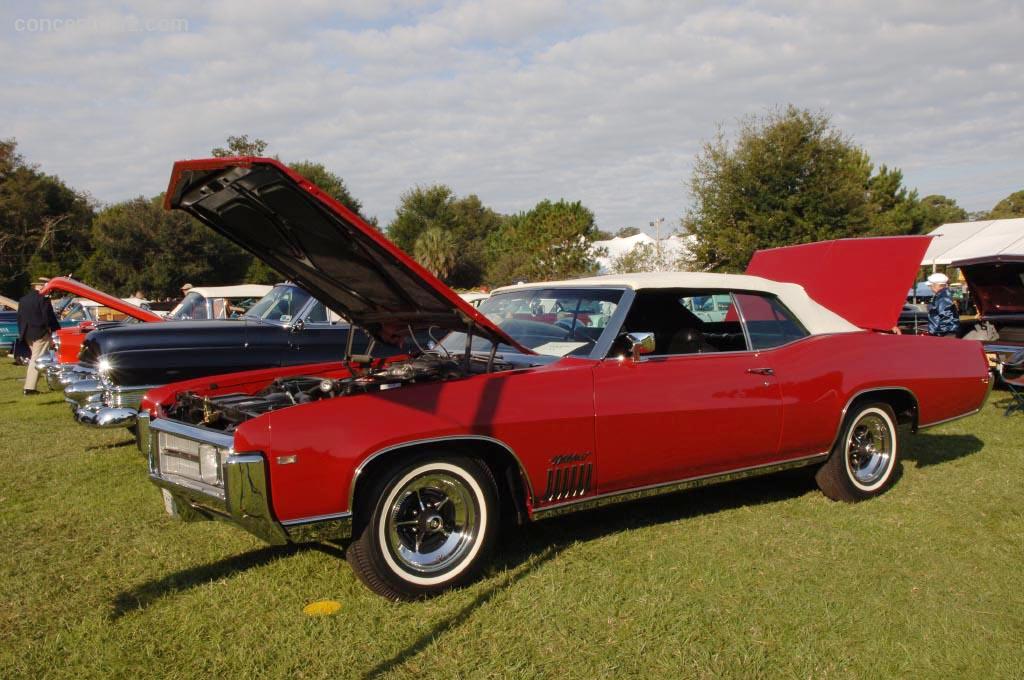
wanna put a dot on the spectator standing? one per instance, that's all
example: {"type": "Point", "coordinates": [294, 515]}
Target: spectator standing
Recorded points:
{"type": "Point", "coordinates": [943, 318]}
{"type": "Point", "coordinates": [36, 321]}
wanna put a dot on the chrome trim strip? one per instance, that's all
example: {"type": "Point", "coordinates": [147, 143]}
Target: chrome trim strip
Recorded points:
{"type": "Point", "coordinates": [315, 518]}
{"type": "Point", "coordinates": [611, 330]}
{"type": "Point", "coordinates": [434, 440]}
{"type": "Point", "coordinates": [319, 527]}
{"type": "Point", "coordinates": [201, 434]}
{"type": "Point", "coordinates": [142, 433]}
{"type": "Point", "coordinates": [129, 396]}
{"type": "Point", "coordinates": [673, 487]}
{"type": "Point", "coordinates": [743, 322]}
{"type": "Point", "coordinates": [988, 393]}
{"type": "Point", "coordinates": [857, 395]}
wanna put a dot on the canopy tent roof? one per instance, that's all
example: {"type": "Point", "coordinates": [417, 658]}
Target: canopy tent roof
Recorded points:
{"type": "Point", "coordinates": [958, 241]}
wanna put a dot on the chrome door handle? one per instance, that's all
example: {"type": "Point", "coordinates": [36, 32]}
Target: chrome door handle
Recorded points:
{"type": "Point", "coordinates": [761, 371]}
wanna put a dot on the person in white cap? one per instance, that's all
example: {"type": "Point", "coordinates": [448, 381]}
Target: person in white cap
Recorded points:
{"type": "Point", "coordinates": [943, 318]}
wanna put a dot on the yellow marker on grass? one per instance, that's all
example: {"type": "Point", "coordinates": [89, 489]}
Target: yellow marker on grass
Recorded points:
{"type": "Point", "coordinates": [322, 608]}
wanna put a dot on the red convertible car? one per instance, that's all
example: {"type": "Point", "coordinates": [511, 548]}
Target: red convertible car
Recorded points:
{"type": "Point", "coordinates": [549, 398]}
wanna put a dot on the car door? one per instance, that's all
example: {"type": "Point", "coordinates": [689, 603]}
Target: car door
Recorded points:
{"type": "Point", "coordinates": [694, 407]}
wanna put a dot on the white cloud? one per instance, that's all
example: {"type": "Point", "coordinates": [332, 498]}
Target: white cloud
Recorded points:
{"type": "Point", "coordinates": [601, 102]}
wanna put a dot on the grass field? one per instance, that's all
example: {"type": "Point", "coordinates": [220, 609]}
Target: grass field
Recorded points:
{"type": "Point", "coordinates": [762, 578]}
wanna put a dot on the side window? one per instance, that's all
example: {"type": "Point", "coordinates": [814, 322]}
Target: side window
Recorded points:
{"type": "Point", "coordinates": [769, 323]}
{"type": "Point", "coordinates": [686, 321]}
{"type": "Point", "coordinates": [317, 313]}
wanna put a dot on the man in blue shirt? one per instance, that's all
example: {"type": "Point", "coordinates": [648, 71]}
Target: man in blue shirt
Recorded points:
{"type": "Point", "coordinates": [943, 318]}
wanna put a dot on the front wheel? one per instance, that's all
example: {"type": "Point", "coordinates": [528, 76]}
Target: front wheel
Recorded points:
{"type": "Point", "coordinates": [432, 523]}
{"type": "Point", "coordinates": [863, 461]}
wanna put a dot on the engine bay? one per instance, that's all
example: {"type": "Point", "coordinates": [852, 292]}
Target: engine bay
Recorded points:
{"type": "Point", "coordinates": [228, 411]}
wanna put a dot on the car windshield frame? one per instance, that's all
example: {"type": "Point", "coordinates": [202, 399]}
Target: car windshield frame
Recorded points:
{"type": "Point", "coordinates": [270, 300]}
{"type": "Point", "coordinates": [454, 342]}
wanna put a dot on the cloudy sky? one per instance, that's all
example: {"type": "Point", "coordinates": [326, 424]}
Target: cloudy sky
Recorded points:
{"type": "Point", "coordinates": [513, 100]}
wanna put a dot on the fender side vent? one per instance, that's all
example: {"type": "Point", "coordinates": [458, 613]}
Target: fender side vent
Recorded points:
{"type": "Point", "coordinates": [569, 481]}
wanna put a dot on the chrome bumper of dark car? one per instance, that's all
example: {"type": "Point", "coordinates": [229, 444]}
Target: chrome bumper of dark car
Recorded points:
{"type": "Point", "coordinates": [60, 376]}
{"type": "Point", "coordinates": [101, 404]}
{"type": "Point", "coordinates": [241, 497]}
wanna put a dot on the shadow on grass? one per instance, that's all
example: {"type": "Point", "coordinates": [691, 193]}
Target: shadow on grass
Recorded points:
{"type": "Point", "coordinates": [524, 550]}
{"type": "Point", "coordinates": [115, 445]}
{"type": "Point", "coordinates": [142, 596]}
{"type": "Point", "coordinates": [932, 449]}
{"type": "Point", "coordinates": [458, 618]}
{"type": "Point", "coordinates": [1009, 406]}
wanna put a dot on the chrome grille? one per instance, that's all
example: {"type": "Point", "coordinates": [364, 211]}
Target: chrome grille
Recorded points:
{"type": "Point", "coordinates": [188, 458]}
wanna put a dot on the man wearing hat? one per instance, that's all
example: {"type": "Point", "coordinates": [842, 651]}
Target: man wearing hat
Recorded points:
{"type": "Point", "coordinates": [36, 321]}
{"type": "Point", "coordinates": [943, 318]}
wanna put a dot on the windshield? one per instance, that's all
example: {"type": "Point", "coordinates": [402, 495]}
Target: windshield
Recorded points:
{"type": "Point", "coordinates": [192, 307]}
{"type": "Point", "coordinates": [281, 304]}
{"type": "Point", "coordinates": [553, 321]}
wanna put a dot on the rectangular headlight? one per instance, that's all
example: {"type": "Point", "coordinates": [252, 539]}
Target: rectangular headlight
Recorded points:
{"type": "Point", "coordinates": [209, 463]}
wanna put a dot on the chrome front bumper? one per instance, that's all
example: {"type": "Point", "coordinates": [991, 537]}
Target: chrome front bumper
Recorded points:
{"type": "Point", "coordinates": [244, 498]}
{"type": "Point", "coordinates": [60, 376]}
{"type": "Point", "coordinates": [101, 404]}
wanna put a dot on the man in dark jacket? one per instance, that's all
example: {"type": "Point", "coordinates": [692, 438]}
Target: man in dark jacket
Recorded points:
{"type": "Point", "coordinates": [36, 321]}
{"type": "Point", "coordinates": [943, 318]}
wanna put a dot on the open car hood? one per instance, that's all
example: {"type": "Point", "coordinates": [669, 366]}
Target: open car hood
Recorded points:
{"type": "Point", "coordinates": [286, 221]}
{"type": "Point", "coordinates": [79, 289]}
{"type": "Point", "coordinates": [997, 284]}
{"type": "Point", "coordinates": [863, 280]}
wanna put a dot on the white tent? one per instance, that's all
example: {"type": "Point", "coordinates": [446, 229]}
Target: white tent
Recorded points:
{"type": "Point", "coordinates": [968, 240]}
{"type": "Point", "coordinates": [674, 247]}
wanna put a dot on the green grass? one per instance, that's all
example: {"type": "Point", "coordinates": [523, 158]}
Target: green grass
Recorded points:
{"type": "Point", "coordinates": [763, 578]}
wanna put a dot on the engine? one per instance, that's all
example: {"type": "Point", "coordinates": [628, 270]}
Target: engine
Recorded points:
{"type": "Point", "coordinates": [228, 411]}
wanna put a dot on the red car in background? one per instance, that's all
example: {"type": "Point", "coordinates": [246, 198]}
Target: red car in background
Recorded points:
{"type": "Point", "coordinates": [67, 342]}
{"type": "Point", "coordinates": [547, 399]}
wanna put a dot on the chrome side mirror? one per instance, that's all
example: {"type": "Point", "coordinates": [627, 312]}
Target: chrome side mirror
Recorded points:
{"type": "Point", "coordinates": [298, 326]}
{"type": "Point", "coordinates": [639, 344]}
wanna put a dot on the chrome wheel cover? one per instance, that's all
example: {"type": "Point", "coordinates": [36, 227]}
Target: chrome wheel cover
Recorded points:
{"type": "Point", "coordinates": [869, 449]}
{"type": "Point", "coordinates": [432, 524]}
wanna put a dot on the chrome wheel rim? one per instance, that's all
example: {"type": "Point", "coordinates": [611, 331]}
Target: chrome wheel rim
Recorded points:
{"type": "Point", "coordinates": [869, 449]}
{"type": "Point", "coordinates": [432, 523]}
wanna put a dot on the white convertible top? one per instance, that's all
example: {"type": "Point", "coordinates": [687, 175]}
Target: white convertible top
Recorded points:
{"type": "Point", "coordinates": [816, 319]}
{"type": "Point", "coordinates": [245, 290]}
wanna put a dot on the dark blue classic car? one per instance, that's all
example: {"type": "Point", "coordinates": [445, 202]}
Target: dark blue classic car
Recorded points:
{"type": "Point", "coordinates": [286, 327]}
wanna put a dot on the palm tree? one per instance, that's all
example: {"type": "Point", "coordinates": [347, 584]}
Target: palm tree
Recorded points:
{"type": "Point", "coordinates": [435, 250]}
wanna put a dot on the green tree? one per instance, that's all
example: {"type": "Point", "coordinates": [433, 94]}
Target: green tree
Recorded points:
{"type": "Point", "coordinates": [892, 208]}
{"type": "Point", "coordinates": [44, 224]}
{"type": "Point", "coordinates": [1011, 206]}
{"type": "Point", "coordinates": [790, 177]}
{"type": "Point", "coordinates": [240, 145]}
{"type": "Point", "coordinates": [937, 209]}
{"type": "Point", "coordinates": [551, 241]}
{"type": "Point", "coordinates": [421, 209]}
{"type": "Point", "coordinates": [141, 246]}
{"type": "Point", "coordinates": [466, 220]}
{"type": "Point", "coordinates": [626, 232]}
{"type": "Point", "coordinates": [435, 250]}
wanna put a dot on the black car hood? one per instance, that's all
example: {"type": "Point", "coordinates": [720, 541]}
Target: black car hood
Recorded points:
{"type": "Point", "coordinates": [113, 338]}
{"type": "Point", "coordinates": [310, 238]}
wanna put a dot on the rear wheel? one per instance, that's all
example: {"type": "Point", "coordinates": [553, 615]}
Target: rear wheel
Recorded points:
{"type": "Point", "coordinates": [863, 462]}
{"type": "Point", "coordinates": [428, 526]}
